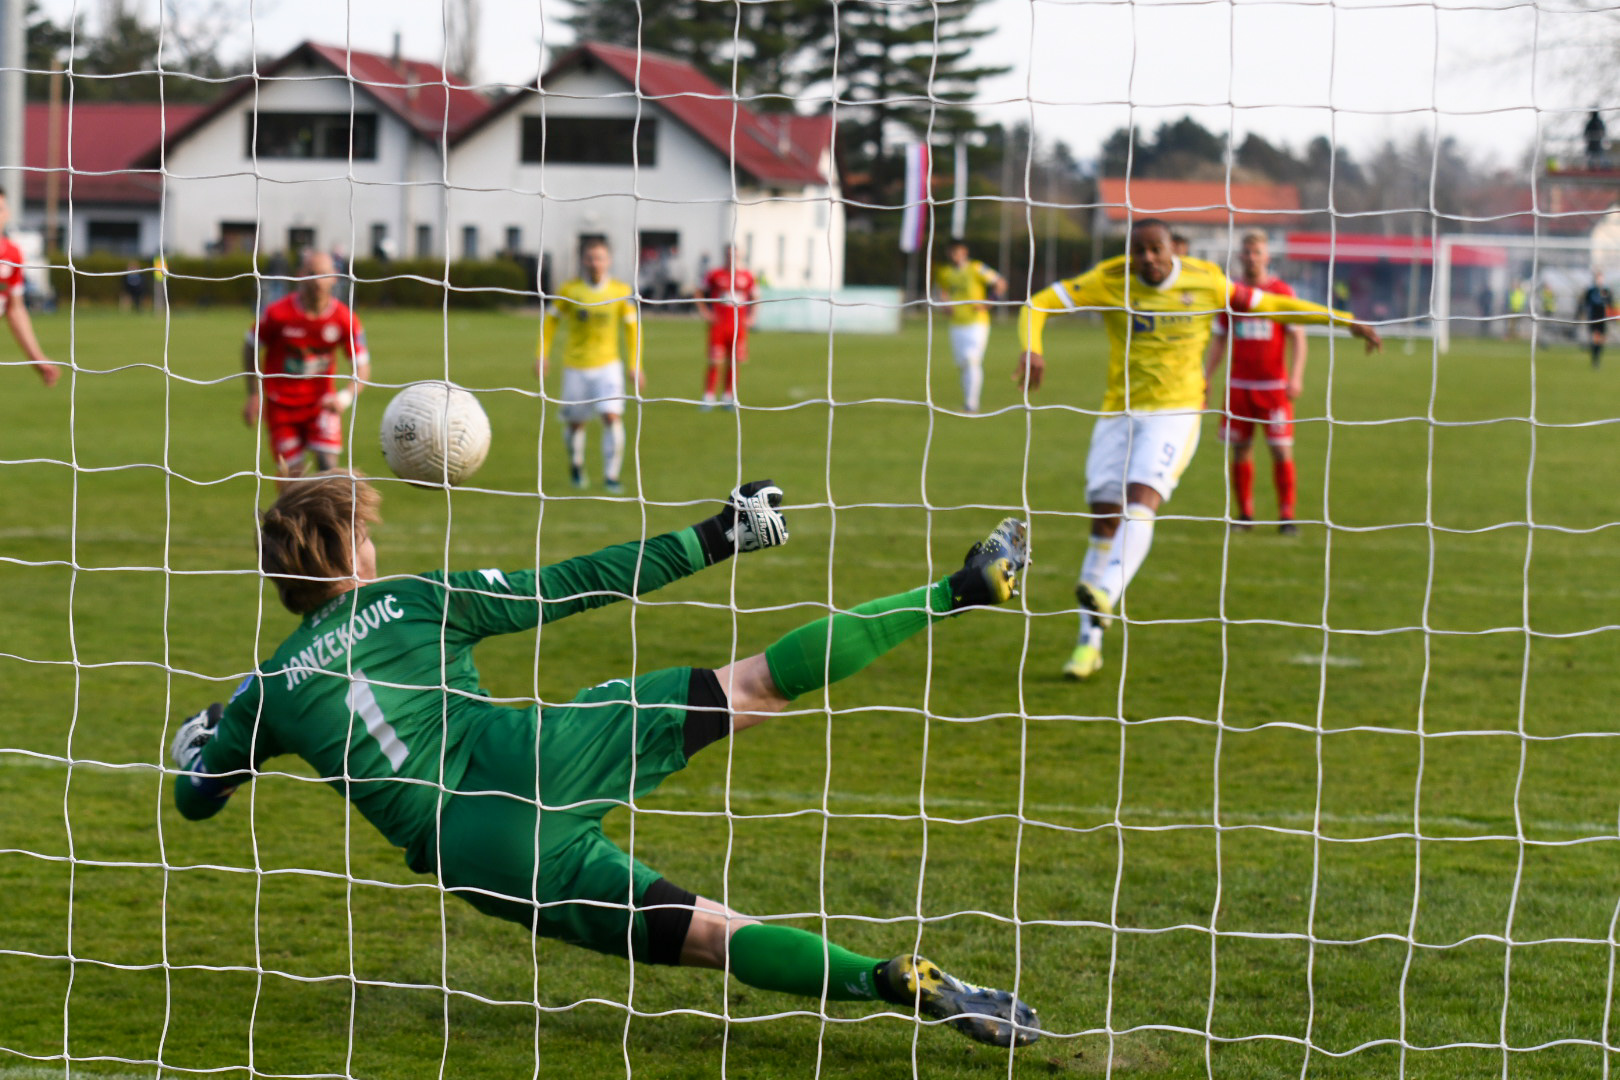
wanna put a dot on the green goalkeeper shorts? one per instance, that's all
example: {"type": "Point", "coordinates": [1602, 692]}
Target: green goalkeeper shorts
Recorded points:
{"type": "Point", "coordinates": [549, 866]}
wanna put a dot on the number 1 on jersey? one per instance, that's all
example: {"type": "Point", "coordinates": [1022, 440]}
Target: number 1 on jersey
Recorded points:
{"type": "Point", "coordinates": [364, 702]}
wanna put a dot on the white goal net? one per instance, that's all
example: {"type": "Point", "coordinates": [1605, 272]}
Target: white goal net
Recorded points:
{"type": "Point", "coordinates": [1312, 776]}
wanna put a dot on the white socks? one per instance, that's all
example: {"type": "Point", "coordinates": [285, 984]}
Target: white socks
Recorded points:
{"type": "Point", "coordinates": [1110, 565]}
{"type": "Point", "coordinates": [972, 384]}
{"type": "Point", "coordinates": [574, 439]}
{"type": "Point", "coordinates": [612, 449]}
{"type": "Point", "coordinates": [1091, 568]}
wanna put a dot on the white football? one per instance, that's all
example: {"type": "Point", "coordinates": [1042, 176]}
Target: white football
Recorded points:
{"type": "Point", "coordinates": [434, 433]}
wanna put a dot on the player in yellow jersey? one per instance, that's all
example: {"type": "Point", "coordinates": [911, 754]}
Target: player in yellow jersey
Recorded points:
{"type": "Point", "coordinates": [965, 284]}
{"type": "Point", "coordinates": [594, 307]}
{"type": "Point", "coordinates": [1157, 309]}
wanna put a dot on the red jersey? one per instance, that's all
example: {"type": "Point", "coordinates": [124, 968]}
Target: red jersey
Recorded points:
{"type": "Point", "coordinates": [11, 274]}
{"type": "Point", "coordinates": [1257, 345]}
{"type": "Point", "coordinates": [728, 288]}
{"type": "Point", "coordinates": [300, 350]}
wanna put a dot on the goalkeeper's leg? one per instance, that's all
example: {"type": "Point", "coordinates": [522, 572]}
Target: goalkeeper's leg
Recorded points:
{"type": "Point", "coordinates": [836, 647]}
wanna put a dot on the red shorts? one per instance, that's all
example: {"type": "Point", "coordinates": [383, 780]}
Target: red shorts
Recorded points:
{"type": "Point", "coordinates": [728, 341]}
{"type": "Point", "coordinates": [292, 431]}
{"type": "Point", "coordinates": [1269, 408]}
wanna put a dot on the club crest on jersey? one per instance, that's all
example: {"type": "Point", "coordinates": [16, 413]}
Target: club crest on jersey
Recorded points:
{"type": "Point", "coordinates": [332, 333]}
{"type": "Point", "coordinates": [1186, 298]}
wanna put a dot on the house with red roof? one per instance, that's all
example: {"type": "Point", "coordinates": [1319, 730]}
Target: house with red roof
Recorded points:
{"type": "Point", "coordinates": [1196, 208]}
{"type": "Point", "coordinates": [645, 150]}
{"type": "Point", "coordinates": [337, 148]}
{"type": "Point", "coordinates": [88, 164]}
{"type": "Point", "coordinates": [325, 146]}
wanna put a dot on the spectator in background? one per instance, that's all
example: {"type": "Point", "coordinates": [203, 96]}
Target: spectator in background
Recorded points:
{"type": "Point", "coordinates": [134, 287]}
{"type": "Point", "coordinates": [1549, 308]}
{"type": "Point", "coordinates": [1487, 311]}
{"type": "Point", "coordinates": [1597, 134]}
{"type": "Point", "coordinates": [1518, 304]}
{"type": "Point", "coordinates": [1180, 245]}
{"type": "Point", "coordinates": [1596, 307]}
{"type": "Point", "coordinates": [276, 285]}
{"type": "Point", "coordinates": [160, 282]}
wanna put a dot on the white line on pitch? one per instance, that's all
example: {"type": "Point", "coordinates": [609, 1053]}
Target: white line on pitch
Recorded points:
{"type": "Point", "coordinates": [812, 800]}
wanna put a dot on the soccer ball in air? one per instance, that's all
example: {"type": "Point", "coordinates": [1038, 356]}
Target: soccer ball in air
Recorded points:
{"type": "Point", "coordinates": [434, 433]}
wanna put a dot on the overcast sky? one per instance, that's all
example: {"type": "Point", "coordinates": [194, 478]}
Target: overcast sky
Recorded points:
{"type": "Point", "coordinates": [1358, 70]}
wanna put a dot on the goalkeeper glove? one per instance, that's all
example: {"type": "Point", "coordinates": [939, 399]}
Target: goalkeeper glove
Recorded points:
{"type": "Point", "coordinates": [749, 522]}
{"type": "Point", "coordinates": [196, 733]}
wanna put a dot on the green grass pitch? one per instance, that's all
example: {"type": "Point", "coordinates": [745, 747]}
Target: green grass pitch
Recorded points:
{"type": "Point", "coordinates": [1225, 858]}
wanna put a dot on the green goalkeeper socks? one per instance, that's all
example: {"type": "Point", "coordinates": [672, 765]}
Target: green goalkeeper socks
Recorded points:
{"type": "Point", "coordinates": [794, 961]}
{"type": "Point", "coordinates": [803, 660]}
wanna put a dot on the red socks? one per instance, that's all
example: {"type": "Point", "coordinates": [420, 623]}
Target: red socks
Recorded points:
{"type": "Point", "coordinates": [711, 379]}
{"type": "Point", "coordinates": [1282, 472]}
{"type": "Point", "coordinates": [1243, 486]}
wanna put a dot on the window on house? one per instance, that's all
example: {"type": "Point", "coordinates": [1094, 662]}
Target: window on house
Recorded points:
{"type": "Point", "coordinates": [469, 241]}
{"type": "Point", "coordinates": [590, 140]}
{"type": "Point", "coordinates": [299, 239]}
{"type": "Point", "coordinates": [424, 241]}
{"type": "Point", "coordinates": [514, 239]}
{"type": "Point", "coordinates": [237, 237]}
{"type": "Point", "coordinates": [311, 135]}
{"type": "Point", "coordinates": [379, 240]}
{"type": "Point", "coordinates": [119, 237]}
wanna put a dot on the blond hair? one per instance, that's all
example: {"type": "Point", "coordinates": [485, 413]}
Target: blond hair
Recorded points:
{"type": "Point", "coordinates": [307, 538]}
{"type": "Point", "coordinates": [1256, 236]}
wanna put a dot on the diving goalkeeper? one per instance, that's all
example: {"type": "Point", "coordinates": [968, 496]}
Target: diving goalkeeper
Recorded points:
{"type": "Point", "coordinates": [378, 691]}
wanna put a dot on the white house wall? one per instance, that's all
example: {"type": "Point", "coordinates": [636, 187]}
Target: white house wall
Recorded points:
{"type": "Point", "coordinates": [211, 179]}
{"type": "Point", "coordinates": [795, 239]}
{"type": "Point", "coordinates": [798, 233]}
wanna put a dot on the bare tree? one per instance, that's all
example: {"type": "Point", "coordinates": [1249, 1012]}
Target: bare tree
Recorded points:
{"type": "Point", "coordinates": [461, 19]}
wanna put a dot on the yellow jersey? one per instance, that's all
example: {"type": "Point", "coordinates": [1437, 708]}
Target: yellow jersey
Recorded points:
{"type": "Point", "coordinates": [593, 314]}
{"type": "Point", "coordinates": [966, 288]}
{"type": "Point", "coordinates": [1157, 334]}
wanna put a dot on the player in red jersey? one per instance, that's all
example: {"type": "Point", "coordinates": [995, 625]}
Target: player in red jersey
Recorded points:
{"type": "Point", "coordinates": [11, 301]}
{"type": "Point", "coordinates": [301, 334]}
{"type": "Point", "coordinates": [725, 302]}
{"type": "Point", "coordinates": [1268, 373]}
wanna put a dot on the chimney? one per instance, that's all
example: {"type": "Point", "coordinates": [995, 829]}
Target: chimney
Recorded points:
{"type": "Point", "coordinates": [396, 56]}
{"type": "Point", "coordinates": [784, 142]}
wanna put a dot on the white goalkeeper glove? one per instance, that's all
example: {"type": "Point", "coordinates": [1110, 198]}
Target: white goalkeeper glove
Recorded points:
{"type": "Point", "coordinates": [749, 522]}
{"type": "Point", "coordinates": [196, 733]}
{"type": "Point", "coordinates": [756, 522]}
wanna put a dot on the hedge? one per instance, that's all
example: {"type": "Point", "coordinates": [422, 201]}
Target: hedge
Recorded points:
{"type": "Point", "coordinates": [229, 280]}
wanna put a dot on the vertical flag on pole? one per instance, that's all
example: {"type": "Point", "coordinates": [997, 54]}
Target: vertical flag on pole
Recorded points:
{"type": "Point", "coordinates": [959, 206]}
{"type": "Point", "coordinates": [914, 218]}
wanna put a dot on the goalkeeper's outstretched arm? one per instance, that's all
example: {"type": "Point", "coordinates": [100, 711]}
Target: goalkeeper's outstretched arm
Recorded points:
{"type": "Point", "coordinates": [489, 602]}
{"type": "Point", "coordinates": [200, 791]}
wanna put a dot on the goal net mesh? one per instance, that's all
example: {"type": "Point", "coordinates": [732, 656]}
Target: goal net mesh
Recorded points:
{"type": "Point", "coordinates": [1337, 803]}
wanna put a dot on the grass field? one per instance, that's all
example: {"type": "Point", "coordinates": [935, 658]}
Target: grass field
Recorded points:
{"type": "Point", "coordinates": [1225, 858]}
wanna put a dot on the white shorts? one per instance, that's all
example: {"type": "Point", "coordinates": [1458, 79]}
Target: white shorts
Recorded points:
{"type": "Point", "coordinates": [968, 341]}
{"type": "Point", "coordinates": [1151, 448]}
{"type": "Point", "coordinates": [595, 391]}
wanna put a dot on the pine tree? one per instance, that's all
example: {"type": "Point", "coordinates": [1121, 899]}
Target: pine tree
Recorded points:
{"type": "Point", "coordinates": [759, 47]}
{"type": "Point", "coordinates": [899, 69]}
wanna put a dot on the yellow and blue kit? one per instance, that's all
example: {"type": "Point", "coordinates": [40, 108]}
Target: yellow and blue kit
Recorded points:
{"type": "Point", "coordinates": [967, 288]}
{"type": "Point", "coordinates": [1157, 334]}
{"type": "Point", "coordinates": [594, 314]}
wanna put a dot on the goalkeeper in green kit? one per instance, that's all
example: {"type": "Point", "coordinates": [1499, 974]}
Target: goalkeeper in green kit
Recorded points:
{"type": "Point", "coordinates": [378, 692]}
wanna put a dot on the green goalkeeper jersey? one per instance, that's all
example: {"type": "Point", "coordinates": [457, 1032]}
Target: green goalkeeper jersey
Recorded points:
{"type": "Point", "coordinates": [378, 691]}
